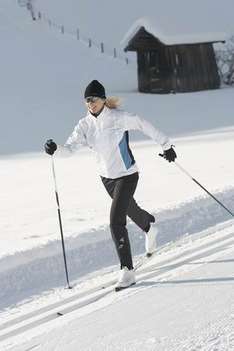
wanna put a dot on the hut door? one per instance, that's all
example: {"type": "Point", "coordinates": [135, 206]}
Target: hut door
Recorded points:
{"type": "Point", "coordinates": [154, 71]}
{"type": "Point", "coordinates": [159, 72]}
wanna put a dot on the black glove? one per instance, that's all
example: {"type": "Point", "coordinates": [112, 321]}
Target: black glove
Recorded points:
{"type": "Point", "coordinates": [50, 147]}
{"type": "Point", "coordinates": [169, 154]}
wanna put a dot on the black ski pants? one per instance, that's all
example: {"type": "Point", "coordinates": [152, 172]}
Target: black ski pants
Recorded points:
{"type": "Point", "coordinates": [123, 204]}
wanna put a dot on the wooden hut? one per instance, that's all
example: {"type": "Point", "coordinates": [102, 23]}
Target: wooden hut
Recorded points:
{"type": "Point", "coordinates": [173, 64]}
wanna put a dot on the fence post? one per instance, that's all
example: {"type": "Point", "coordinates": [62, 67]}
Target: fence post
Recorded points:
{"type": "Point", "coordinates": [126, 59]}
{"type": "Point", "coordinates": [78, 34]}
{"type": "Point", "coordinates": [102, 48]}
{"type": "Point", "coordinates": [39, 15]}
{"type": "Point", "coordinates": [90, 43]}
{"type": "Point", "coordinates": [115, 53]}
{"type": "Point", "coordinates": [62, 29]}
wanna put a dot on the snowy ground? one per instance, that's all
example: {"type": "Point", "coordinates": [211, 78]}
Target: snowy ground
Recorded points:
{"type": "Point", "coordinates": [183, 301]}
{"type": "Point", "coordinates": [192, 270]}
{"type": "Point", "coordinates": [184, 296]}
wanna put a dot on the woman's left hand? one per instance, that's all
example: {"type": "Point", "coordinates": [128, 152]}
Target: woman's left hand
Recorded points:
{"type": "Point", "coordinates": [170, 154]}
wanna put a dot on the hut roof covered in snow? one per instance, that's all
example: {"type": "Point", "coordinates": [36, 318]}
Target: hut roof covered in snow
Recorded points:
{"type": "Point", "coordinates": [175, 32]}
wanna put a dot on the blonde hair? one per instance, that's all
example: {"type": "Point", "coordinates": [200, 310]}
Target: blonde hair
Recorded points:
{"type": "Point", "coordinates": [113, 102]}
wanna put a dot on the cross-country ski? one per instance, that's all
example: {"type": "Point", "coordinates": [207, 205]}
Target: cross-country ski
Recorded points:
{"type": "Point", "coordinates": [116, 175]}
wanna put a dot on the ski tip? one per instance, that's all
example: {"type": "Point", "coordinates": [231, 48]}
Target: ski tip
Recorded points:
{"type": "Point", "coordinates": [119, 288]}
{"type": "Point", "coordinates": [59, 314]}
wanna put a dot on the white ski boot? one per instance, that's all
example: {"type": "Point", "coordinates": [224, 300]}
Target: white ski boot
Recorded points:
{"type": "Point", "coordinates": [126, 279]}
{"type": "Point", "coordinates": [150, 240]}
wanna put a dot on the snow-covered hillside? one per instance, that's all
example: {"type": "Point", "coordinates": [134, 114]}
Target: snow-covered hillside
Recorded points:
{"type": "Point", "coordinates": [43, 72]}
{"type": "Point", "coordinates": [43, 76]}
{"type": "Point", "coordinates": [183, 299]}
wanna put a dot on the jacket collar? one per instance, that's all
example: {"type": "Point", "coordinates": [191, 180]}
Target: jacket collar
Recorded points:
{"type": "Point", "coordinates": [104, 112]}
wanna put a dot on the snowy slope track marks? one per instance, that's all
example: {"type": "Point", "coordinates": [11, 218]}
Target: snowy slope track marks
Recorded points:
{"type": "Point", "coordinates": [41, 269]}
{"type": "Point", "coordinates": [160, 268]}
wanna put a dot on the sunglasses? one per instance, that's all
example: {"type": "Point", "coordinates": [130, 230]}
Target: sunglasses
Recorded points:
{"type": "Point", "coordinates": [92, 99]}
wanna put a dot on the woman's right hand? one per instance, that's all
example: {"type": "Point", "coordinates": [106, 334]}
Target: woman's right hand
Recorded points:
{"type": "Point", "coordinates": [50, 147]}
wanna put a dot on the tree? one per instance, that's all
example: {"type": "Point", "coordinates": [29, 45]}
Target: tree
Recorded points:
{"type": "Point", "coordinates": [225, 61]}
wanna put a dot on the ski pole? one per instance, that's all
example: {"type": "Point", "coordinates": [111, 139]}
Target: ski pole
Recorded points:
{"type": "Point", "coordinates": [201, 186]}
{"type": "Point", "coordinates": [60, 222]}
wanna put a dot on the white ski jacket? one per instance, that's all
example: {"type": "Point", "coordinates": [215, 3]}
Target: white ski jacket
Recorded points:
{"type": "Point", "coordinates": [107, 135]}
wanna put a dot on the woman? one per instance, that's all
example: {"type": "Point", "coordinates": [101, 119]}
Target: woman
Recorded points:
{"type": "Point", "coordinates": [105, 130]}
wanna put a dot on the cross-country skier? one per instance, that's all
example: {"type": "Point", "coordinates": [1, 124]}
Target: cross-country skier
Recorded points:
{"type": "Point", "coordinates": [105, 130]}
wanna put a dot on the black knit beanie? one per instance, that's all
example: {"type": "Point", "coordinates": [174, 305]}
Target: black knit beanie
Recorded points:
{"type": "Point", "coordinates": [95, 89]}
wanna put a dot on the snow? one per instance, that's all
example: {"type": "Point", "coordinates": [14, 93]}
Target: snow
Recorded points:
{"type": "Point", "coordinates": [150, 25]}
{"type": "Point", "coordinates": [44, 72]}
{"type": "Point", "coordinates": [173, 18]}
{"type": "Point", "coordinates": [187, 219]}
{"type": "Point", "coordinates": [177, 22]}
{"type": "Point", "coordinates": [184, 296]}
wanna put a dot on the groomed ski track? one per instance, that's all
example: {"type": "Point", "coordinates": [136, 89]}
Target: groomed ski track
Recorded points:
{"type": "Point", "coordinates": [41, 269]}
{"type": "Point", "coordinates": [170, 261]}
